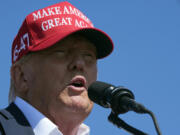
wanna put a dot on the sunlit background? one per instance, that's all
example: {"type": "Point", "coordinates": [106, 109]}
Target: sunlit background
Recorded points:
{"type": "Point", "coordinates": [146, 35]}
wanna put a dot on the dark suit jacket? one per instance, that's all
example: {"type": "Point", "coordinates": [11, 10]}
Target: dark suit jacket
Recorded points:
{"type": "Point", "coordinates": [13, 122]}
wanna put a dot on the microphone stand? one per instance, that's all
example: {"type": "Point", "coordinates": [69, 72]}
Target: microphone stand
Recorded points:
{"type": "Point", "coordinates": [136, 107]}
{"type": "Point", "coordinates": [121, 124]}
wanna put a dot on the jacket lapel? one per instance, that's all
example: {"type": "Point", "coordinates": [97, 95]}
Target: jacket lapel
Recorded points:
{"type": "Point", "coordinates": [14, 121]}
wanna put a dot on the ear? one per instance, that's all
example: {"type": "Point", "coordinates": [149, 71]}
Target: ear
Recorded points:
{"type": "Point", "coordinates": [19, 79]}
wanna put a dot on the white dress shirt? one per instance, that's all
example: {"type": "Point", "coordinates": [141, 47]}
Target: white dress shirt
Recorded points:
{"type": "Point", "coordinates": [40, 124]}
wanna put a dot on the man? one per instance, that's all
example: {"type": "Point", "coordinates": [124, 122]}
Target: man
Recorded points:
{"type": "Point", "coordinates": [54, 57]}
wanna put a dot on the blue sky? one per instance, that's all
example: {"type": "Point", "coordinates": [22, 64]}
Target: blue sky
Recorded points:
{"type": "Point", "coordinates": [145, 58]}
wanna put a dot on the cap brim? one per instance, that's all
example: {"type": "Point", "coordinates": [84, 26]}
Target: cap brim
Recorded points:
{"type": "Point", "coordinates": [100, 39]}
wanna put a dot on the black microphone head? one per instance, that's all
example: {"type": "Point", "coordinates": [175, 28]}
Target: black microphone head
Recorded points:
{"type": "Point", "coordinates": [109, 96]}
{"type": "Point", "coordinates": [97, 93]}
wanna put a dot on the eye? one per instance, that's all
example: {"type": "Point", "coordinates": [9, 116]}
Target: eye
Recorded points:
{"type": "Point", "coordinates": [59, 52]}
{"type": "Point", "coordinates": [89, 56]}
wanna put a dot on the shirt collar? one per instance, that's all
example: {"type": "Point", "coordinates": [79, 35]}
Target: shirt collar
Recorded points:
{"type": "Point", "coordinates": [83, 130]}
{"type": "Point", "coordinates": [41, 124]}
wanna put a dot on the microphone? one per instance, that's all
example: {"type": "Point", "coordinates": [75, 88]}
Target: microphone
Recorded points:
{"type": "Point", "coordinates": [119, 99]}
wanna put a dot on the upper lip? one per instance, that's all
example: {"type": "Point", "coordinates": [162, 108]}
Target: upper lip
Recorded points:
{"type": "Point", "coordinates": [79, 79]}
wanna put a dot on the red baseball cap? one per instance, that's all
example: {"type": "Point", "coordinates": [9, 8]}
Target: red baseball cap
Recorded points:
{"type": "Point", "coordinates": [45, 27]}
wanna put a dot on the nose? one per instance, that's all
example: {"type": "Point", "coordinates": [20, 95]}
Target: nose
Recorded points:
{"type": "Point", "coordinates": [76, 63]}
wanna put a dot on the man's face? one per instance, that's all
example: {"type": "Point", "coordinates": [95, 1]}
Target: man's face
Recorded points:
{"type": "Point", "coordinates": [58, 77]}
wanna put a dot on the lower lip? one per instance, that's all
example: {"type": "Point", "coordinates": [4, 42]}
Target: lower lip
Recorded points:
{"type": "Point", "coordinates": [78, 89]}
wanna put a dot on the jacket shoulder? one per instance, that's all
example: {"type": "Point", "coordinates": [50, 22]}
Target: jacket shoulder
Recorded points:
{"type": "Point", "coordinates": [4, 116]}
{"type": "Point", "coordinates": [12, 118]}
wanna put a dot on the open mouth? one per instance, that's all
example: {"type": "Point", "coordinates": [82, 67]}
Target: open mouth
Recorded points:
{"type": "Point", "coordinates": [78, 82]}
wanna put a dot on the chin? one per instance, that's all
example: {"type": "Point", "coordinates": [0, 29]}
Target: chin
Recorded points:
{"type": "Point", "coordinates": [81, 105]}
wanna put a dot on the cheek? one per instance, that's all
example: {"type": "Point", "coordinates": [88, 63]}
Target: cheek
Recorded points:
{"type": "Point", "coordinates": [47, 81]}
{"type": "Point", "coordinates": [92, 75]}
{"type": "Point", "coordinates": [54, 75]}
